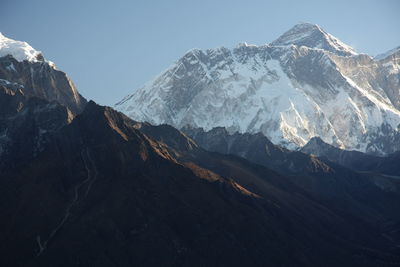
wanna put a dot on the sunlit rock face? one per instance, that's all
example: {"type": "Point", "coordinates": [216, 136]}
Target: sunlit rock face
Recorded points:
{"type": "Point", "coordinates": [21, 64]}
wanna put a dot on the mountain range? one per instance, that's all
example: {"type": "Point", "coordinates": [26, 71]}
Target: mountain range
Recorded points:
{"type": "Point", "coordinates": [85, 185]}
{"type": "Point", "coordinates": [304, 84]}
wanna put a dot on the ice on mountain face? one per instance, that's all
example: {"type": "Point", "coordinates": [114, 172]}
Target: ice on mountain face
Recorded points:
{"type": "Point", "coordinates": [19, 50]}
{"type": "Point", "coordinates": [289, 93]}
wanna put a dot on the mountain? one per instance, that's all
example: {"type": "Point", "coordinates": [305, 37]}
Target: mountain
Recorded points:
{"type": "Point", "coordinates": [36, 99]}
{"type": "Point", "coordinates": [313, 36]}
{"type": "Point", "coordinates": [103, 192]}
{"type": "Point", "coordinates": [88, 186]}
{"type": "Point", "coordinates": [306, 83]}
{"type": "Point", "coordinates": [21, 64]}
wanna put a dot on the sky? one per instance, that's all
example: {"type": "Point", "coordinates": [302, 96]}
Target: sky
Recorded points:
{"type": "Point", "coordinates": [111, 48]}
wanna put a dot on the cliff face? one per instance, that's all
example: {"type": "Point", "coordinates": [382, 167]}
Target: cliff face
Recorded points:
{"type": "Point", "coordinates": [26, 124]}
{"type": "Point", "coordinates": [41, 79]}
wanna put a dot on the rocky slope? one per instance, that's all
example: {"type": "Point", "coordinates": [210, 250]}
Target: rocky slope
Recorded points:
{"type": "Point", "coordinates": [306, 83]}
{"type": "Point", "coordinates": [109, 191]}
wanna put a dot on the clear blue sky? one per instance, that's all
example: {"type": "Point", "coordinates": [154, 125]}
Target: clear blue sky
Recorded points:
{"type": "Point", "coordinates": [110, 48]}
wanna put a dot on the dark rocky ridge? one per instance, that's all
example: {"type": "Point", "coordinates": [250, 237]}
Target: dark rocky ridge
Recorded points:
{"type": "Point", "coordinates": [103, 192]}
{"type": "Point", "coordinates": [346, 189]}
{"type": "Point", "coordinates": [353, 159]}
{"type": "Point", "coordinates": [256, 148]}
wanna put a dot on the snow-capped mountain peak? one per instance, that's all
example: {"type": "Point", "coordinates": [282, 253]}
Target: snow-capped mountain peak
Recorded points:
{"type": "Point", "coordinates": [313, 36]}
{"type": "Point", "coordinates": [21, 66]}
{"type": "Point", "coordinates": [19, 50]}
{"type": "Point", "coordinates": [305, 84]}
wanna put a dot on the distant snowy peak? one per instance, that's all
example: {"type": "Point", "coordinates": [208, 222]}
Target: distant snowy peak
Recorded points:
{"type": "Point", "coordinates": [305, 84]}
{"type": "Point", "coordinates": [19, 50]}
{"type": "Point", "coordinates": [313, 36]}
{"type": "Point", "coordinates": [392, 52]}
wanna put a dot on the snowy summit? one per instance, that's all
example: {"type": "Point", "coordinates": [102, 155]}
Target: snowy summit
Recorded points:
{"type": "Point", "coordinates": [307, 83]}
{"type": "Point", "coordinates": [312, 36]}
{"type": "Point", "coordinates": [19, 50]}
